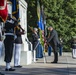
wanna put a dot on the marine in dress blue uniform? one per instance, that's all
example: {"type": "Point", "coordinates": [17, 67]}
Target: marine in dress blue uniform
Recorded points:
{"type": "Point", "coordinates": [73, 46]}
{"type": "Point", "coordinates": [9, 41]}
{"type": "Point", "coordinates": [18, 43]}
{"type": "Point", "coordinates": [36, 41]}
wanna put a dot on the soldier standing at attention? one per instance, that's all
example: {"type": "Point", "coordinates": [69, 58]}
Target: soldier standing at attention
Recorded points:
{"type": "Point", "coordinates": [18, 43]}
{"type": "Point", "coordinates": [9, 41]}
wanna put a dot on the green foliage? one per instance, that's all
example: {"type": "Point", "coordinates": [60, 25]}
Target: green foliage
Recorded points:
{"type": "Point", "coordinates": [61, 14]}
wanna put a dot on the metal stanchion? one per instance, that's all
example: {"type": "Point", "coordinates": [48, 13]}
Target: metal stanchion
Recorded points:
{"type": "Point", "coordinates": [35, 52]}
{"type": "Point", "coordinates": [45, 61]}
{"type": "Point", "coordinates": [44, 58]}
{"type": "Point", "coordinates": [34, 60]}
{"type": "Point", "coordinates": [34, 57]}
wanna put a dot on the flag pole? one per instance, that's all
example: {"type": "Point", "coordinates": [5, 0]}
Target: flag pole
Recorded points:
{"type": "Point", "coordinates": [44, 22]}
{"type": "Point", "coordinates": [44, 55]}
{"type": "Point", "coordinates": [35, 52]}
{"type": "Point", "coordinates": [40, 14]}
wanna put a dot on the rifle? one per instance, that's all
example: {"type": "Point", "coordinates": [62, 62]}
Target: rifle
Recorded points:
{"type": "Point", "coordinates": [31, 29]}
{"type": "Point", "coordinates": [20, 28]}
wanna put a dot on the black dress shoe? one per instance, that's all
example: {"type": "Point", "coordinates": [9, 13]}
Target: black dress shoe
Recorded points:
{"type": "Point", "coordinates": [54, 62]}
{"type": "Point", "coordinates": [19, 66]}
{"type": "Point", "coordinates": [10, 69]}
{"type": "Point", "coordinates": [1, 73]}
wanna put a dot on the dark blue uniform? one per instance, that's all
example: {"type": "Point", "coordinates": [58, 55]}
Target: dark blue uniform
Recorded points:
{"type": "Point", "coordinates": [9, 39]}
{"type": "Point", "coordinates": [73, 46]}
{"type": "Point", "coordinates": [18, 44]}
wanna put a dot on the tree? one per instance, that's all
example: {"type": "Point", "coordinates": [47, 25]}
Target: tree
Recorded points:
{"type": "Point", "coordinates": [61, 14]}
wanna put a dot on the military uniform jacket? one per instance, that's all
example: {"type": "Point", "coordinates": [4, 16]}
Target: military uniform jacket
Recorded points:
{"type": "Point", "coordinates": [9, 26]}
{"type": "Point", "coordinates": [73, 44]}
{"type": "Point", "coordinates": [18, 40]}
{"type": "Point", "coordinates": [35, 37]}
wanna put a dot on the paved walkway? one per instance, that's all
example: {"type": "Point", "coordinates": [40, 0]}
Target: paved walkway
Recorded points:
{"type": "Point", "coordinates": [65, 66]}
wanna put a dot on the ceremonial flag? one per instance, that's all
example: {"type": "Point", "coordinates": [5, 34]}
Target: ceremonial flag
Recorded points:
{"type": "Point", "coordinates": [40, 23]}
{"type": "Point", "coordinates": [15, 9]}
{"type": "Point", "coordinates": [38, 10]}
{"type": "Point", "coordinates": [3, 10]}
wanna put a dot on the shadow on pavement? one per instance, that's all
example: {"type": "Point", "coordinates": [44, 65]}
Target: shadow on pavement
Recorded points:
{"type": "Point", "coordinates": [41, 71]}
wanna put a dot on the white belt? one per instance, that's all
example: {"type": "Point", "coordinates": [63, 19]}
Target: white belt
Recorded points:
{"type": "Point", "coordinates": [9, 34]}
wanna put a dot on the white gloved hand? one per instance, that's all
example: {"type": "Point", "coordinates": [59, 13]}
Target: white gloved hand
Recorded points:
{"type": "Point", "coordinates": [39, 39]}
